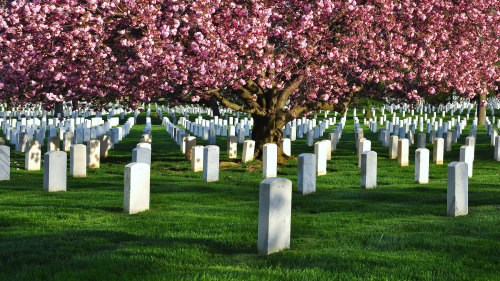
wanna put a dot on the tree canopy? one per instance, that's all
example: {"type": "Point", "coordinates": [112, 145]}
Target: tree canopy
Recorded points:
{"type": "Point", "coordinates": [253, 56]}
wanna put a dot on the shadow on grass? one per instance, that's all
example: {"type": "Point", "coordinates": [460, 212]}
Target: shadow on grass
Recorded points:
{"type": "Point", "coordinates": [384, 203]}
{"type": "Point", "coordinates": [96, 249]}
{"type": "Point", "coordinates": [65, 206]}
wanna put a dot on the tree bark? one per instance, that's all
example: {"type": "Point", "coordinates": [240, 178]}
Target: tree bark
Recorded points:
{"type": "Point", "coordinates": [58, 108]}
{"type": "Point", "coordinates": [74, 103]}
{"type": "Point", "coordinates": [482, 110]}
{"type": "Point", "coordinates": [368, 113]}
{"type": "Point", "coordinates": [214, 105]}
{"type": "Point", "coordinates": [267, 108]}
{"type": "Point", "coordinates": [267, 129]}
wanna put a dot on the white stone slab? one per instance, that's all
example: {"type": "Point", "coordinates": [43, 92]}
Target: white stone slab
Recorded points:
{"type": "Point", "coordinates": [275, 208]}
{"type": "Point", "coordinates": [78, 160]}
{"type": "Point", "coordinates": [306, 178]}
{"type": "Point", "coordinates": [269, 160]}
{"type": "Point", "coordinates": [136, 188]}
{"type": "Point", "coordinates": [422, 166]}
{"type": "Point", "coordinates": [55, 165]}
{"type": "Point", "coordinates": [457, 192]}
{"type": "Point", "coordinates": [369, 169]}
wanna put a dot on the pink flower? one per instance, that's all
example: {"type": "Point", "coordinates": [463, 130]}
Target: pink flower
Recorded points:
{"type": "Point", "coordinates": [189, 46]}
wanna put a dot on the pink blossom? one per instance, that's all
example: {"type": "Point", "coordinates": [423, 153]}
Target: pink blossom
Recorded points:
{"type": "Point", "coordinates": [173, 49]}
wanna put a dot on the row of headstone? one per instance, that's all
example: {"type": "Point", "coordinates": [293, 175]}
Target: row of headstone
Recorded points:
{"type": "Point", "coordinates": [55, 161]}
{"type": "Point", "coordinates": [404, 129]}
{"type": "Point", "coordinates": [275, 197]}
{"type": "Point", "coordinates": [203, 159]}
{"type": "Point", "coordinates": [137, 174]}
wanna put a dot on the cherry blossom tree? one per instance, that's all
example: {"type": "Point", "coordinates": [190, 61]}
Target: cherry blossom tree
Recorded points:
{"type": "Point", "coordinates": [54, 51]}
{"type": "Point", "coordinates": [280, 59]}
{"type": "Point", "coordinates": [276, 60]}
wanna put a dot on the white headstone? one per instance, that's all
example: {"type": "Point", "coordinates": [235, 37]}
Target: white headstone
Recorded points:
{"type": "Point", "coordinates": [269, 160]}
{"type": "Point", "coordinates": [211, 163]}
{"type": "Point", "coordinates": [369, 169]}
{"type": "Point", "coordinates": [494, 134]}
{"type": "Point", "coordinates": [438, 152]}
{"type": "Point", "coordinates": [93, 154]}
{"type": "Point", "coordinates": [105, 145]}
{"type": "Point", "coordinates": [393, 147]}
{"type": "Point", "coordinates": [232, 147]}
{"type": "Point", "coordinates": [364, 145]}
{"type": "Point", "coordinates": [306, 179]}
{"type": "Point", "coordinates": [197, 158]}
{"type": "Point", "coordinates": [467, 156]}
{"type": "Point", "coordinates": [457, 193]}
{"type": "Point", "coordinates": [421, 140]}
{"type": "Point", "coordinates": [78, 160]}
{"type": "Point", "coordinates": [22, 138]}
{"type": "Point", "coordinates": [190, 142]}
{"type": "Point", "coordinates": [496, 153]}
{"type": "Point", "coordinates": [55, 165]}
{"type": "Point", "coordinates": [403, 152]}
{"type": "Point", "coordinates": [275, 208]}
{"type": "Point", "coordinates": [141, 155]}
{"type": "Point", "coordinates": [248, 151]}
{"type": "Point", "coordinates": [33, 156]}
{"type": "Point", "coordinates": [4, 162]}
{"type": "Point", "coordinates": [286, 146]}
{"type": "Point", "coordinates": [53, 144]}
{"type": "Point", "coordinates": [320, 150]}
{"type": "Point", "coordinates": [67, 138]}
{"type": "Point", "coordinates": [422, 165]}
{"type": "Point", "coordinates": [136, 188]}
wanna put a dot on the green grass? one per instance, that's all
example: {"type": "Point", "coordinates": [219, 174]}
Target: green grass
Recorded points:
{"type": "Point", "coordinates": [208, 231]}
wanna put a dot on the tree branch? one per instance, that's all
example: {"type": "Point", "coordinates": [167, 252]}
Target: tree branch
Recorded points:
{"type": "Point", "coordinates": [285, 93]}
{"type": "Point", "coordinates": [225, 102]}
{"type": "Point", "coordinates": [247, 96]}
{"type": "Point", "coordinates": [340, 107]}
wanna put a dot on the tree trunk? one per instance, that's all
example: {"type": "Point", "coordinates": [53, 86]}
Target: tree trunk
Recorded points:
{"type": "Point", "coordinates": [482, 110]}
{"type": "Point", "coordinates": [74, 104]}
{"type": "Point", "coordinates": [214, 105]}
{"type": "Point", "coordinates": [368, 113]}
{"type": "Point", "coordinates": [267, 129]}
{"type": "Point", "coordinates": [58, 108]}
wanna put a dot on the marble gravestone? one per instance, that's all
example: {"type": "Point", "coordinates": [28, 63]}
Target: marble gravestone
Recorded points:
{"type": "Point", "coordinates": [33, 156]}
{"type": "Point", "coordinates": [197, 158]}
{"type": "Point", "coordinates": [211, 163]}
{"type": "Point", "coordinates": [422, 165]}
{"type": "Point", "coordinates": [78, 160]}
{"type": "Point", "coordinates": [269, 160]}
{"type": "Point", "coordinates": [369, 169]}
{"type": "Point", "coordinates": [4, 162]}
{"type": "Point", "coordinates": [248, 151]}
{"type": "Point", "coordinates": [457, 191]}
{"type": "Point", "coordinates": [306, 178]}
{"type": "Point", "coordinates": [275, 208]}
{"type": "Point", "coordinates": [136, 188]}
{"type": "Point", "coordinates": [93, 154]}
{"type": "Point", "coordinates": [54, 173]}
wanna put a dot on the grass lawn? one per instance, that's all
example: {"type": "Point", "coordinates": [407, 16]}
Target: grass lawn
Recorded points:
{"type": "Point", "coordinates": [208, 231]}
